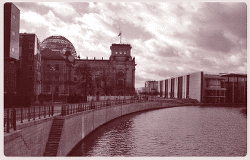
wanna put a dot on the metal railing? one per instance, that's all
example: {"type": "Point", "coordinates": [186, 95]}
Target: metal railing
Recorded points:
{"type": "Point", "coordinates": [68, 109]}
{"type": "Point", "coordinates": [13, 116]}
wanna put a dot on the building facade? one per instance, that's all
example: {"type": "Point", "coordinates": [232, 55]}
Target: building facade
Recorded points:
{"type": "Point", "coordinates": [62, 77]}
{"type": "Point", "coordinates": [205, 88]}
{"type": "Point", "coordinates": [57, 74]}
{"type": "Point", "coordinates": [11, 31]}
{"type": "Point", "coordinates": [213, 90]}
{"type": "Point", "coordinates": [236, 87]}
{"type": "Point", "coordinates": [11, 52]}
{"type": "Point", "coordinates": [115, 76]}
{"type": "Point", "coordinates": [151, 87]}
{"type": "Point", "coordinates": [30, 72]}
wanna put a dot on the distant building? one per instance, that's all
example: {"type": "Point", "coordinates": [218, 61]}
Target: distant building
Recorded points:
{"type": "Point", "coordinates": [206, 88]}
{"type": "Point", "coordinates": [213, 91]}
{"type": "Point", "coordinates": [151, 87]}
{"type": "Point", "coordinates": [236, 87]}
{"type": "Point", "coordinates": [115, 76]}
{"type": "Point", "coordinates": [57, 73]}
{"type": "Point", "coordinates": [30, 74]}
{"type": "Point", "coordinates": [141, 90]}
{"type": "Point", "coordinates": [57, 79]}
{"type": "Point", "coordinates": [58, 44]}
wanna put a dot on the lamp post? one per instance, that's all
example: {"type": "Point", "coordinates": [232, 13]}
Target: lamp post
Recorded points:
{"type": "Point", "coordinates": [52, 93]}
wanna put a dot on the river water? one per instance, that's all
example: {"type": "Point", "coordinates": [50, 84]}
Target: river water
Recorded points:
{"type": "Point", "coordinates": [178, 131]}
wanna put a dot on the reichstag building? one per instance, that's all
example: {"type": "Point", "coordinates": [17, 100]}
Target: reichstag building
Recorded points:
{"type": "Point", "coordinates": [66, 74]}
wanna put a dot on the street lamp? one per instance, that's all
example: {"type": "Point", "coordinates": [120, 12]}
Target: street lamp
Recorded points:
{"type": "Point", "coordinates": [52, 98]}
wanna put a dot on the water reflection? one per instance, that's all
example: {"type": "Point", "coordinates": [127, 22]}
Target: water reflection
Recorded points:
{"type": "Point", "coordinates": [180, 131]}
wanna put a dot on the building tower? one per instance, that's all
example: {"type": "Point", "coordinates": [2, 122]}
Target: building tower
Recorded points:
{"type": "Point", "coordinates": [11, 31]}
{"type": "Point", "coordinates": [29, 85]}
{"type": "Point", "coordinates": [125, 68]}
{"type": "Point", "coordinates": [11, 51]}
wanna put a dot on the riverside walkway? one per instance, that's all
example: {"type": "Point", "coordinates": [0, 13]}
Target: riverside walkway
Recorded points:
{"type": "Point", "coordinates": [15, 117]}
{"type": "Point", "coordinates": [52, 133]}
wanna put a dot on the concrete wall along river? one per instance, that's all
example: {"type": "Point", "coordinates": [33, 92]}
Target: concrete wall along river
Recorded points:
{"type": "Point", "coordinates": [31, 139]}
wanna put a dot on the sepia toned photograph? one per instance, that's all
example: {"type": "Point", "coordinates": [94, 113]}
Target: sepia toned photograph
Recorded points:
{"type": "Point", "coordinates": [125, 79]}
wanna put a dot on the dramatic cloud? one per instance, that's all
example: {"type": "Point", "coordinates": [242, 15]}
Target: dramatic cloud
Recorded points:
{"type": "Point", "coordinates": [167, 39]}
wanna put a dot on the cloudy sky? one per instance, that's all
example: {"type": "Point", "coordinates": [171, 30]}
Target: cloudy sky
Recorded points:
{"type": "Point", "coordinates": [168, 39]}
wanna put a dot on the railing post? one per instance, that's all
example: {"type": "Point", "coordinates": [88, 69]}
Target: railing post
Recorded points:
{"type": "Point", "coordinates": [34, 112]}
{"type": "Point", "coordinates": [49, 110]}
{"type": "Point", "coordinates": [29, 113]}
{"type": "Point", "coordinates": [8, 123]}
{"type": "Point", "coordinates": [71, 109]}
{"type": "Point", "coordinates": [52, 110]}
{"type": "Point", "coordinates": [14, 118]}
{"type": "Point", "coordinates": [21, 114]}
{"type": "Point", "coordinates": [67, 108]}
{"type": "Point", "coordinates": [63, 110]}
{"type": "Point", "coordinates": [39, 110]}
{"type": "Point", "coordinates": [44, 107]}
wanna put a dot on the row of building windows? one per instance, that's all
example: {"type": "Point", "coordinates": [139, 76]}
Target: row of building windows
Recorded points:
{"type": "Point", "coordinates": [125, 51]}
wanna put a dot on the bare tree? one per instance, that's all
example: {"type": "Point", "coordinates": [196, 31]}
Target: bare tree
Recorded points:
{"type": "Point", "coordinates": [84, 73]}
{"type": "Point", "coordinates": [106, 81]}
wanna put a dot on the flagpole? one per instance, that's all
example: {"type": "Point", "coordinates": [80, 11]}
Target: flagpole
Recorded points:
{"type": "Point", "coordinates": [121, 38]}
{"type": "Point", "coordinates": [120, 35]}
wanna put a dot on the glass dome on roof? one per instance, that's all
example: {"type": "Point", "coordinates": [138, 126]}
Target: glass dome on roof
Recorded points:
{"type": "Point", "coordinates": [58, 43]}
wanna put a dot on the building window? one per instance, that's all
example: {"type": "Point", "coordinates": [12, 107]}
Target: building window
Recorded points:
{"type": "Point", "coordinates": [30, 56]}
{"type": "Point", "coordinates": [56, 89]}
{"type": "Point", "coordinates": [57, 67]}
{"type": "Point", "coordinates": [30, 68]}
{"type": "Point", "coordinates": [14, 17]}
{"type": "Point", "coordinates": [31, 45]}
{"type": "Point", "coordinates": [47, 88]}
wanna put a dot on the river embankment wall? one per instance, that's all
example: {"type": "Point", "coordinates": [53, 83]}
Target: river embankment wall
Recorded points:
{"type": "Point", "coordinates": [31, 138]}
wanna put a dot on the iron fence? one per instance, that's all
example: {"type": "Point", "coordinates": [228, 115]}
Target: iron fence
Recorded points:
{"type": "Point", "coordinates": [20, 115]}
